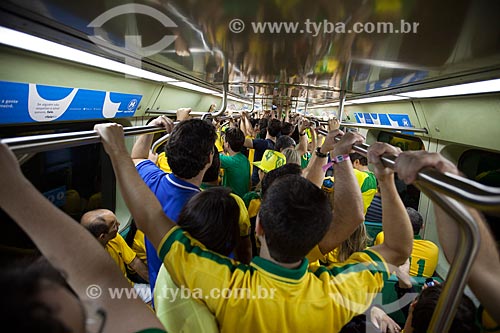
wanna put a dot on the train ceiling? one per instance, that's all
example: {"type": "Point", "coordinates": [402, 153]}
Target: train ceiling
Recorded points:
{"type": "Point", "coordinates": [435, 40]}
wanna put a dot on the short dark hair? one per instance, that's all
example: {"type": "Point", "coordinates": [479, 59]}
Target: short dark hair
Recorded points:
{"type": "Point", "coordinates": [263, 122]}
{"type": "Point", "coordinates": [464, 321]}
{"type": "Point", "coordinates": [189, 146]}
{"type": "Point", "coordinates": [295, 215]}
{"type": "Point", "coordinates": [271, 176]}
{"type": "Point", "coordinates": [286, 128]}
{"type": "Point", "coordinates": [284, 142]}
{"type": "Point", "coordinates": [235, 138]}
{"type": "Point", "coordinates": [274, 127]}
{"type": "Point", "coordinates": [21, 303]}
{"type": "Point", "coordinates": [212, 218]}
{"type": "Point", "coordinates": [416, 219]}
{"type": "Point", "coordinates": [212, 173]}
{"type": "Point", "coordinates": [356, 156]}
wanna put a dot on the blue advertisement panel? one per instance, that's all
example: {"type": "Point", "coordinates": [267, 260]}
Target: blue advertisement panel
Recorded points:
{"type": "Point", "coordinates": [402, 120]}
{"type": "Point", "coordinates": [386, 119]}
{"type": "Point", "coordinates": [28, 102]}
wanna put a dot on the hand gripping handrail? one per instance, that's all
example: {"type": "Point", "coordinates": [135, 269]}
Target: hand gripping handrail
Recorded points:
{"type": "Point", "coordinates": [433, 184]}
{"type": "Point", "coordinates": [471, 193]}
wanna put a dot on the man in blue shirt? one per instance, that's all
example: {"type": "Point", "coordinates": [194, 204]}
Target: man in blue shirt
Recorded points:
{"type": "Point", "coordinates": [189, 152]}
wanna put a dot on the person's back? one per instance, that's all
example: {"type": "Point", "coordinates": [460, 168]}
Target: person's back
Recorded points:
{"type": "Point", "coordinates": [211, 216]}
{"type": "Point", "coordinates": [236, 165]}
{"type": "Point", "coordinates": [425, 254]}
{"type": "Point", "coordinates": [265, 289]}
{"type": "Point", "coordinates": [188, 152]}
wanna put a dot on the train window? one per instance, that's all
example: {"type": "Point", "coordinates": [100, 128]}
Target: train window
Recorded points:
{"type": "Point", "coordinates": [405, 142]}
{"type": "Point", "coordinates": [71, 178]}
{"type": "Point", "coordinates": [408, 193]}
{"type": "Point", "coordinates": [483, 167]}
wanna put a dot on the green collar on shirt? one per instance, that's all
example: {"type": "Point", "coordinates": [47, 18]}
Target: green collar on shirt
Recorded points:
{"type": "Point", "coordinates": [289, 273]}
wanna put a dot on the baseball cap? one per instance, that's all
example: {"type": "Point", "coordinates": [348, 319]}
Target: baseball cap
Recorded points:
{"type": "Point", "coordinates": [270, 160]}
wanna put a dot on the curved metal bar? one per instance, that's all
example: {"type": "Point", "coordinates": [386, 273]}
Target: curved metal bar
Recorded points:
{"type": "Point", "coordinates": [253, 102]}
{"type": "Point", "coordinates": [157, 144]}
{"type": "Point", "coordinates": [46, 142]}
{"type": "Point", "coordinates": [469, 239]}
{"type": "Point", "coordinates": [225, 86]}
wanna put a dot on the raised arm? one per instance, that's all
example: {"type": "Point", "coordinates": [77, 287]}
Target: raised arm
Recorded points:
{"type": "Point", "coordinates": [70, 248]}
{"type": "Point", "coordinates": [395, 221]}
{"type": "Point", "coordinates": [140, 151]}
{"type": "Point", "coordinates": [485, 271]}
{"type": "Point", "coordinates": [303, 125]}
{"type": "Point", "coordinates": [141, 202]}
{"type": "Point", "coordinates": [348, 205]}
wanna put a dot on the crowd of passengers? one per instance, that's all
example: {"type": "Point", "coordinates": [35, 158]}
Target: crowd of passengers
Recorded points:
{"type": "Point", "coordinates": [248, 225]}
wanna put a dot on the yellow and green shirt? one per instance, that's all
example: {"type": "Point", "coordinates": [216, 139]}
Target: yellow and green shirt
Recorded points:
{"type": "Point", "coordinates": [266, 297]}
{"type": "Point", "coordinates": [424, 256]}
{"type": "Point", "coordinates": [121, 253]}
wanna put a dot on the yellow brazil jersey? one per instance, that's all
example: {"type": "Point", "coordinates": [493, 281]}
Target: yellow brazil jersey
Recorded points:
{"type": "Point", "coordinates": [138, 246]}
{"type": "Point", "coordinates": [177, 313]}
{"type": "Point", "coordinates": [121, 253]}
{"type": "Point", "coordinates": [162, 163]}
{"type": "Point", "coordinates": [266, 297]}
{"type": "Point", "coordinates": [368, 185]}
{"type": "Point", "coordinates": [424, 256]}
{"type": "Point", "coordinates": [244, 220]}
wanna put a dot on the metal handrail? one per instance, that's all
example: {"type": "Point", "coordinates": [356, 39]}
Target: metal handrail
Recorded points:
{"type": "Point", "coordinates": [385, 127]}
{"type": "Point", "coordinates": [454, 285]}
{"type": "Point", "coordinates": [46, 142]}
{"type": "Point", "coordinates": [482, 197]}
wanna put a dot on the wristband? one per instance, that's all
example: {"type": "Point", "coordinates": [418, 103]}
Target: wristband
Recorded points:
{"type": "Point", "coordinates": [302, 134]}
{"type": "Point", "coordinates": [340, 158]}
{"type": "Point", "coordinates": [319, 153]}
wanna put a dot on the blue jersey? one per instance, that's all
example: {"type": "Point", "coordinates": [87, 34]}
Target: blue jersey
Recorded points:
{"type": "Point", "coordinates": [172, 193]}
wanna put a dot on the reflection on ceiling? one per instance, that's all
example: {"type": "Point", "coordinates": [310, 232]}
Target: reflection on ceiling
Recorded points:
{"type": "Point", "coordinates": [290, 50]}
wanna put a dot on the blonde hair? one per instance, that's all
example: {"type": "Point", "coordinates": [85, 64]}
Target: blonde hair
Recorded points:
{"type": "Point", "coordinates": [355, 243]}
{"type": "Point", "coordinates": [292, 156]}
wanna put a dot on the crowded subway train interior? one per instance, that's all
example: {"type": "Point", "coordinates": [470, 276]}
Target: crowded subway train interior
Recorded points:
{"type": "Point", "coordinates": [419, 75]}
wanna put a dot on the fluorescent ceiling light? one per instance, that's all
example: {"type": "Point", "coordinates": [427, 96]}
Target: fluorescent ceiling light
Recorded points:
{"type": "Point", "coordinates": [190, 86]}
{"type": "Point", "coordinates": [460, 89]}
{"type": "Point", "coordinates": [376, 99]}
{"type": "Point", "coordinates": [35, 44]}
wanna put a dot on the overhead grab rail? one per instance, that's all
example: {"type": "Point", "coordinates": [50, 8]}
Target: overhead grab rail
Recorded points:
{"type": "Point", "coordinates": [432, 183]}
{"type": "Point", "coordinates": [369, 126]}
{"type": "Point", "coordinates": [47, 142]}
{"type": "Point", "coordinates": [482, 197]}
